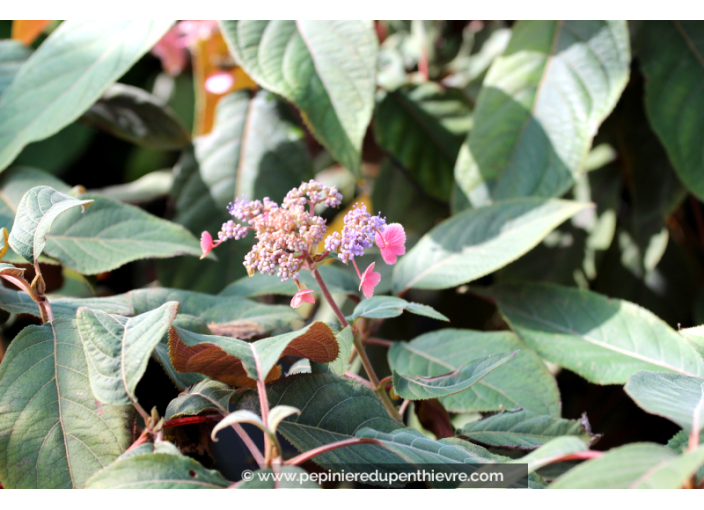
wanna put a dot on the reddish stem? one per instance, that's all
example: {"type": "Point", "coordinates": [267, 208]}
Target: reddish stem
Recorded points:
{"type": "Point", "coordinates": [299, 459]}
{"type": "Point", "coordinates": [591, 454]}
{"type": "Point", "coordinates": [378, 341]}
{"type": "Point", "coordinates": [191, 420]}
{"type": "Point", "coordinates": [258, 457]}
{"type": "Point", "coordinates": [140, 440]}
{"type": "Point", "coordinates": [386, 380]}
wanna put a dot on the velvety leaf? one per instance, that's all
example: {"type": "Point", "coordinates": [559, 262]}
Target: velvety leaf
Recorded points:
{"type": "Point", "coordinates": [10, 270]}
{"type": "Point", "coordinates": [239, 363]}
{"type": "Point", "coordinates": [36, 213]}
{"type": "Point", "coordinates": [332, 409]}
{"type": "Point", "coordinates": [540, 106]}
{"type": "Point", "coordinates": [157, 471]}
{"type": "Point", "coordinates": [385, 307]}
{"type": "Point", "coordinates": [603, 340]}
{"type": "Point", "coordinates": [551, 451]}
{"type": "Point", "coordinates": [265, 479]}
{"type": "Point", "coordinates": [207, 394]}
{"type": "Point", "coordinates": [12, 55]}
{"type": "Point", "coordinates": [150, 187]}
{"type": "Point", "coordinates": [160, 447]}
{"type": "Point", "coordinates": [671, 54]}
{"type": "Point", "coordinates": [137, 116]}
{"type": "Point", "coordinates": [477, 242]}
{"type": "Point", "coordinates": [523, 381]}
{"type": "Point", "coordinates": [447, 455]}
{"type": "Point", "coordinates": [19, 302]}
{"type": "Point", "coordinates": [634, 466]}
{"type": "Point", "coordinates": [118, 349]}
{"type": "Point", "coordinates": [525, 430]}
{"type": "Point", "coordinates": [111, 234]}
{"type": "Point", "coordinates": [345, 340]}
{"type": "Point", "coordinates": [338, 280]}
{"type": "Point", "coordinates": [677, 397]}
{"type": "Point", "coordinates": [53, 432]}
{"type": "Point", "coordinates": [91, 56]}
{"type": "Point", "coordinates": [695, 337]}
{"type": "Point", "coordinates": [423, 127]}
{"type": "Point", "coordinates": [325, 68]}
{"type": "Point", "coordinates": [225, 316]}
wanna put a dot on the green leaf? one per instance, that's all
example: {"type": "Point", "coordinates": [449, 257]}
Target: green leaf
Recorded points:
{"type": "Point", "coordinates": [345, 339]}
{"type": "Point", "coordinates": [677, 397]}
{"type": "Point", "coordinates": [91, 56]}
{"type": "Point", "coordinates": [19, 302]}
{"type": "Point", "coordinates": [289, 479]}
{"type": "Point", "coordinates": [237, 363]}
{"type": "Point", "coordinates": [551, 451]}
{"type": "Point", "coordinates": [525, 430]}
{"type": "Point", "coordinates": [12, 55]}
{"type": "Point", "coordinates": [634, 466]}
{"type": "Point", "coordinates": [280, 413]}
{"type": "Point", "coordinates": [477, 242]}
{"type": "Point", "coordinates": [325, 68]}
{"type": "Point", "coordinates": [150, 187]}
{"type": "Point", "coordinates": [446, 455]}
{"type": "Point", "coordinates": [36, 213]}
{"type": "Point", "coordinates": [418, 387]}
{"type": "Point", "coordinates": [332, 409]}
{"type": "Point", "coordinates": [118, 349]}
{"type": "Point", "coordinates": [157, 471]}
{"type": "Point", "coordinates": [10, 270]}
{"type": "Point", "coordinates": [423, 127]}
{"type": "Point", "coordinates": [225, 316]}
{"type": "Point", "coordinates": [53, 433]}
{"type": "Point", "coordinates": [386, 307]}
{"type": "Point", "coordinates": [671, 54]}
{"type": "Point", "coordinates": [338, 280]}
{"type": "Point", "coordinates": [137, 116]}
{"type": "Point", "coordinates": [112, 234]}
{"type": "Point", "coordinates": [241, 416]}
{"type": "Point", "coordinates": [603, 340]}
{"type": "Point", "coordinates": [540, 106]}
{"type": "Point", "coordinates": [523, 381]}
{"type": "Point", "coordinates": [207, 394]}
{"type": "Point", "coordinates": [160, 447]}
{"type": "Point", "coordinates": [695, 337]}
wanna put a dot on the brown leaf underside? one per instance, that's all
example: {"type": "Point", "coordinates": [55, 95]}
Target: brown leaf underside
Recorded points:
{"type": "Point", "coordinates": [317, 344]}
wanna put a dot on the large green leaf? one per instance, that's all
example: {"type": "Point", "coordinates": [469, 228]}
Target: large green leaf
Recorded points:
{"type": "Point", "coordinates": [237, 362]}
{"type": "Point", "coordinates": [418, 387]}
{"type": "Point", "coordinates": [325, 68]}
{"type": "Point", "coordinates": [89, 56]}
{"type": "Point", "coordinates": [12, 55]}
{"type": "Point", "coordinates": [332, 409]}
{"type": "Point", "coordinates": [118, 349]}
{"type": "Point", "coordinates": [227, 316]}
{"type": "Point", "coordinates": [35, 215]}
{"type": "Point", "coordinates": [53, 433]}
{"type": "Point", "coordinates": [677, 397]}
{"type": "Point", "coordinates": [446, 456]}
{"type": "Point", "coordinates": [603, 340]}
{"type": "Point", "coordinates": [523, 381]}
{"type": "Point", "coordinates": [205, 395]}
{"type": "Point", "coordinates": [137, 116]}
{"type": "Point", "coordinates": [19, 302]}
{"type": "Point", "coordinates": [111, 234]}
{"type": "Point", "coordinates": [385, 307]}
{"type": "Point", "coordinates": [477, 242]}
{"type": "Point", "coordinates": [423, 127]}
{"type": "Point", "coordinates": [540, 106]}
{"type": "Point", "coordinates": [157, 471]}
{"type": "Point", "coordinates": [525, 429]}
{"type": "Point", "coordinates": [671, 54]}
{"type": "Point", "coordinates": [634, 466]}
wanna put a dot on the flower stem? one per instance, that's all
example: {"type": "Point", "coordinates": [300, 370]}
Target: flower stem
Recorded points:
{"type": "Point", "coordinates": [300, 459]}
{"type": "Point", "coordinates": [358, 346]}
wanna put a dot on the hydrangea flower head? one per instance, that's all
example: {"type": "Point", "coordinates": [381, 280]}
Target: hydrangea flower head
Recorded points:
{"type": "Point", "coordinates": [357, 234]}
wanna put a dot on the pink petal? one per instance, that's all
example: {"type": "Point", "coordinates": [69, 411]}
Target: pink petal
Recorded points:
{"type": "Point", "coordinates": [369, 281]}
{"type": "Point", "coordinates": [172, 55]}
{"type": "Point", "coordinates": [392, 242]}
{"type": "Point", "coordinates": [206, 243]}
{"type": "Point", "coordinates": [219, 83]}
{"type": "Point", "coordinates": [302, 296]}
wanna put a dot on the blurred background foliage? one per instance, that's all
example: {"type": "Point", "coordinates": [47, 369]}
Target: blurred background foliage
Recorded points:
{"type": "Point", "coordinates": [643, 241]}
